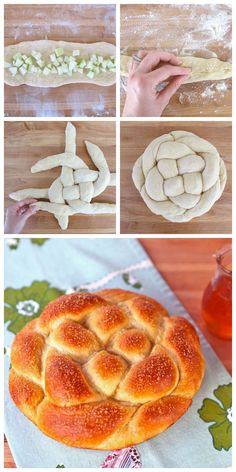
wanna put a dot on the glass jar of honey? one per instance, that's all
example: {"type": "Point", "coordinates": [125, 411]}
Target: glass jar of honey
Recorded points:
{"type": "Point", "coordinates": [217, 297]}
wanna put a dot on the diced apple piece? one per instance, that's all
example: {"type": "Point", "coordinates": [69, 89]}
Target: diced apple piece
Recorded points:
{"type": "Point", "coordinates": [72, 65]}
{"type": "Point", "coordinates": [90, 74]}
{"type": "Point", "coordinates": [54, 70]}
{"type": "Point", "coordinates": [53, 57]}
{"type": "Point", "coordinates": [96, 70]}
{"type": "Point", "coordinates": [19, 62]}
{"type": "Point", "coordinates": [18, 55]}
{"type": "Point", "coordinates": [109, 64]}
{"type": "Point", "coordinates": [59, 52]}
{"type": "Point", "coordinates": [36, 55]}
{"type": "Point", "coordinates": [23, 71]}
{"type": "Point", "coordinates": [46, 71]}
{"type": "Point", "coordinates": [81, 71]}
{"type": "Point", "coordinates": [13, 71]}
{"type": "Point", "coordinates": [29, 60]}
{"type": "Point", "coordinates": [82, 64]}
{"type": "Point", "coordinates": [89, 65]}
{"type": "Point", "coordinates": [60, 60]}
{"type": "Point", "coordinates": [7, 65]}
{"type": "Point", "coordinates": [34, 69]}
{"type": "Point", "coordinates": [64, 68]}
{"type": "Point", "coordinates": [93, 58]}
{"type": "Point", "coordinates": [40, 63]}
{"type": "Point", "coordinates": [59, 70]}
{"type": "Point", "coordinates": [76, 52]}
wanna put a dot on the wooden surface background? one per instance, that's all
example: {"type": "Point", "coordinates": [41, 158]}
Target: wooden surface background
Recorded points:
{"type": "Point", "coordinates": [136, 217]}
{"type": "Point", "coordinates": [76, 23]}
{"type": "Point", "coordinates": [187, 265]}
{"type": "Point", "coordinates": [27, 142]}
{"type": "Point", "coordinates": [197, 30]}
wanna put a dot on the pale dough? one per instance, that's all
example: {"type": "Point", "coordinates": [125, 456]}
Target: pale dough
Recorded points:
{"type": "Point", "coordinates": [202, 69]}
{"type": "Point", "coordinates": [180, 176]}
{"type": "Point", "coordinates": [73, 191]}
{"type": "Point", "coordinates": [46, 47]}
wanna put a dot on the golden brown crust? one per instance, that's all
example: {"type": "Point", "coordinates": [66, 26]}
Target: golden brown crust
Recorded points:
{"type": "Point", "coordinates": [26, 394]}
{"type": "Point", "coordinates": [105, 370]}
{"type": "Point", "coordinates": [182, 341]}
{"type": "Point", "coordinates": [83, 426]}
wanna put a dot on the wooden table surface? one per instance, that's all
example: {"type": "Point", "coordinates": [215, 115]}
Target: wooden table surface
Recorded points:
{"type": "Point", "coordinates": [27, 142]}
{"type": "Point", "coordinates": [197, 30]}
{"type": "Point", "coordinates": [136, 218]}
{"type": "Point", "coordinates": [187, 265]}
{"type": "Point", "coordinates": [76, 23]}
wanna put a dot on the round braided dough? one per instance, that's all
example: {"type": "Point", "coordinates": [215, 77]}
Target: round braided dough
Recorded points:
{"type": "Point", "coordinates": [105, 370]}
{"type": "Point", "coordinates": [180, 176]}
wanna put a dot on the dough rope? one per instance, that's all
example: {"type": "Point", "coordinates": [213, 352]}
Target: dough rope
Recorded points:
{"type": "Point", "coordinates": [202, 69]}
{"type": "Point", "coordinates": [72, 192]}
{"type": "Point", "coordinates": [180, 176]}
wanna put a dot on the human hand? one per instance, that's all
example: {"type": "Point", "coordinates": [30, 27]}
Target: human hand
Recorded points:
{"type": "Point", "coordinates": [142, 98]}
{"type": "Point", "coordinates": [17, 215]}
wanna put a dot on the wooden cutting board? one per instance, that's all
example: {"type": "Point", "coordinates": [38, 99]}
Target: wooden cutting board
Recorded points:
{"type": "Point", "coordinates": [78, 23]}
{"type": "Point", "coordinates": [198, 30]}
{"type": "Point", "coordinates": [27, 142]}
{"type": "Point", "coordinates": [136, 217]}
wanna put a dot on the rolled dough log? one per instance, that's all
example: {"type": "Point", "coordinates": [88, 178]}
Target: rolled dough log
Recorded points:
{"type": "Point", "coordinates": [100, 162]}
{"type": "Point", "coordinates": [29, 193]}
{"type": "Point", "coordinates": [46, 47]}
{"type": "Point", "coordinates": [58, 209]}
{"type": "Point", "coordinates": [92, 208]}
{"type": "Point", "coordinates": [202, 69]}
{"type": "Point", "coordinates": [66, 159]}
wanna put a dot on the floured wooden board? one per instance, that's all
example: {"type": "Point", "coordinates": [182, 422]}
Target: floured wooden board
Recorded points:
{"type": "Point", "coordinates": [47, 47]}
{"type": "Point", "coordinates": [203, 31]}
{"type": "Point", "coordinates": [27, 142]}
{"type": "Point", "coordinates": [136, 218]}
{"type": "Point", "coordinates": [71, 23]}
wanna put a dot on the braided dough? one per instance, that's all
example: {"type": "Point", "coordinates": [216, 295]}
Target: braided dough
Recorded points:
{"type": "Point", "coordinates": [202, 69]}
{"type": "Point", "coordinates": [73, 191]}
{"type": "Point", "coordinates": [105, 370]}
{"type": "Point", "coordinates": [46, 46]}
{"type": "Point", "coordinates": [180, 176]}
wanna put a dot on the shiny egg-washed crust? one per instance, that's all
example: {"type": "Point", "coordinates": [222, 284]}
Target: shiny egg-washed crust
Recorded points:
{"type": "Point", "coordinates": [105, 370]}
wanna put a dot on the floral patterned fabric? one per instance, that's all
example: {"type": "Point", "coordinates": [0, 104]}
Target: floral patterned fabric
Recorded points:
{"type": "Point", "coordinates": [39, 270]}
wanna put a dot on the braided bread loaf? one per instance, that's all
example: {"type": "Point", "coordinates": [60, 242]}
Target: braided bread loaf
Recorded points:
{"type": "Point", "coordinates": [105, 370]}
{"type": "Point", "coordinates": [180, 176]}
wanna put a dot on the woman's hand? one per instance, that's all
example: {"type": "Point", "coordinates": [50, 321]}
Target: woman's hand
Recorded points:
{"type": "Point", "coordinates": [142, 98]}
{"type": "Point", "coordinates": [17, 215]}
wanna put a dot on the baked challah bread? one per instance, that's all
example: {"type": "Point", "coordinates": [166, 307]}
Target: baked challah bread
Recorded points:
{"type": "Point", "coordinates": [105, 370]}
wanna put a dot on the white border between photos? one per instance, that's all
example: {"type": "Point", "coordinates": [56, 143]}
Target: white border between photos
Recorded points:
{"type": "Point", "coordinates": [118, 120]}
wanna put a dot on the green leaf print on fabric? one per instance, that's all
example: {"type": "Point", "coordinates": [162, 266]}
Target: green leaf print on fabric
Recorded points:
{"type": "Point", "coordinates": [220, 414]}
{"type": "Point", "coordinates": [131, 280]}
{"type": "Point", "coordinates": [39, 241]}
{"type": "Point", "coordinates": [13, 243]}
{"type": "Point", "coordinates": [60, 466]}
{"type": "Point", "coordinates": [25, 304]}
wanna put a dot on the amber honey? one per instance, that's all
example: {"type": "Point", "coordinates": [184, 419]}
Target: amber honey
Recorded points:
{"type": "Point", "coordinates": [217, 297]}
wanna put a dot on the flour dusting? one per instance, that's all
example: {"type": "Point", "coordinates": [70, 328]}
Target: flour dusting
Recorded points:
{"type": "Point", "coordinates": [187, 30]}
